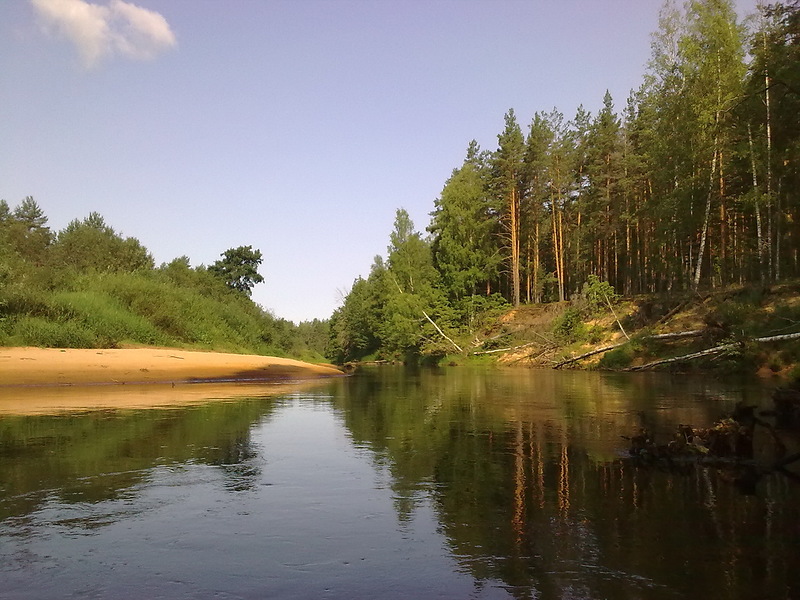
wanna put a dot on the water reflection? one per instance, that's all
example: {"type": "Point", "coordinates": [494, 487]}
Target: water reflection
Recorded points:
{"type": "Point", "coordinates": [92, 456]}
{"type": "Point", "coordinates": [531, 488]}
{"type": "Point", "coordinates": [450, 483]}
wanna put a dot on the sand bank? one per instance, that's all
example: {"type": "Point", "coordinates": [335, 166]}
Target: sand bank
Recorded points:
{"type": "Point", "coordinates": [46, 381]}
{"type": "Point", "coordinates": [53, 366]}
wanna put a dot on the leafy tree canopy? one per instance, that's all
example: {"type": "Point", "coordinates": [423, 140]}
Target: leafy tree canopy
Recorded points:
{"type": "Point", "coordinates": [91, 244]}
{"type": "Point", "coordinates": [239, 268]}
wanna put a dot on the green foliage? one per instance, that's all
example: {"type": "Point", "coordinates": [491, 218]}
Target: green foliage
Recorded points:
{"type": "Point", "coordinates": [92, 288]}
{"type": "Point", "coordinates": [598, 294]}
{"type": "Point", "coordinates": [569, 326]}
{"type": "Point", "coordinates": [618, 358]}
{"type": "Point", "coordinates": [389, 314]}
{"type": "Point", "coordinates": [310, 340]}
{"type": "Point", "coordinates": [354, 327]}
{"type": "Point", "coordinates": [93, 245]}
{"type": "Point", "coordinates": [462, 247]}
{"type": "Point", "coordinates": [238, 268]}
{"type": "Point", "coordinates": [106, 318]}
{"type": "Point", "coordinates": [37, 331]}
{"type": "Point", "coordinates": [475, 312]}
{"type": "Point", "coordinates": [24, 230]}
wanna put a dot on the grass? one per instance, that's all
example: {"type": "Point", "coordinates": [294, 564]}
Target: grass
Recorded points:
{"type": "Point", "coordinates": [106, 310]}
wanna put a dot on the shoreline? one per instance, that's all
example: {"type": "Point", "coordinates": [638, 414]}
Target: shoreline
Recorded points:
{"type": "Point", "coordinates": [55, 367]}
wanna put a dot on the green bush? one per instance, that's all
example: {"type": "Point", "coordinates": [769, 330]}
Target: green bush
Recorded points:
{"type": "Point", "coordinates": [104, 316]}
{"type": "Point", "coordinates": [598, 294]}
{"type": "Point", "coordinates": [36, 331]}
{"type": "Point", "coordinates": [618, 358]}
{"type": "Point", "coordinates": [88, 286]}
{"type": "Point", "coordinates": [569, 326]}
{"type": "Point", "coordinates": [595, 334]}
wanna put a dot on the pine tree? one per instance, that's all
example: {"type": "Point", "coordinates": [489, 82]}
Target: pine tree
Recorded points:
{"type": "Point", "coordinates": [462, 248]}
{"type": "Point", "coordinates": [505, 184]}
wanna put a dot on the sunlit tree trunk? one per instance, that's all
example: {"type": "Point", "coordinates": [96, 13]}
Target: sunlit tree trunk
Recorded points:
{"type": "Point", "coordinates": [704, 231]}
{"type": "Point", "coordinates": [757, 206]}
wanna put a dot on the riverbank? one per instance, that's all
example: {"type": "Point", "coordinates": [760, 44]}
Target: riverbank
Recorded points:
{"type": "Point", "coordinates": [739, 329]}
{"type": "Point", "coordinates": [70, 367]}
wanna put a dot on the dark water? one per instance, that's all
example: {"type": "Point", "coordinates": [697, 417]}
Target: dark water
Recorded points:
{"type": "Point", "coordinates": [455, 483]}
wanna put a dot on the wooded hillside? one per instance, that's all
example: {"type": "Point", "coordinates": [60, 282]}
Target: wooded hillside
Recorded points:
{"type": "Point", "coordinates": [692, 185]}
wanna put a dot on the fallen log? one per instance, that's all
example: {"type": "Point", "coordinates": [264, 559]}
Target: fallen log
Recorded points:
{"type": "Point", "coordinates": [503, 349]}
{"type": "Point", "coordinates": [442, 333]}
{"type": "Point", "coordinates": [676, 334]}
{"type": "Point", "coordinates": [657, 336]}
{"type": "Point", "coordinates": [715, 350]}
{"type": "Point", "coordinates": [683, 357]}
{"type": "Point", "coordinates": [588, 354]}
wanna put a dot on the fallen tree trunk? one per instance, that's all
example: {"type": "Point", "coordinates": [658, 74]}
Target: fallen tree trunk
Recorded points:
{"type": "Point", "coordinates": [778, 338]}
{"type": "Point", "coordinates": [442, 333]}
{"type": "Point", "coordinates": [503, 349]}
{"type": "Point", "coordinates": [677, 334]}
{"type": "Point", "coordinates": [714, 350]}
{"type": "Point", "coordinates": [657, 336]}
{"type": "Point", "coordinates": [588, 354]}
{"type": "Point", "coordinates": [692, 356]}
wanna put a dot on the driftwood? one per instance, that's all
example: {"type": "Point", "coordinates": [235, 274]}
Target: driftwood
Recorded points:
{"type": "Point", "coordinates": [684, 357]}
{"type": "Point", "coordinates": [534, 358]}
{"type": "Point", "coordinates": [478, 343]}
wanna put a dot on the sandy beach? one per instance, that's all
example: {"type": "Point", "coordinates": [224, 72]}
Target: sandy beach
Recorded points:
{"type": "Point", "coordinates": [44, 381]}
{"type": "Point", "coordinates": [53, 366]}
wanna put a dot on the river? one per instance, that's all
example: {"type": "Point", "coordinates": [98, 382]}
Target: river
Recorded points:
{"type": "Point", "coordinates": [393, 483]}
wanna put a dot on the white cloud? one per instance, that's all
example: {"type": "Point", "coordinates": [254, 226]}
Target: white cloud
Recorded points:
{"type": "Point", "coordinates": [102, 31]}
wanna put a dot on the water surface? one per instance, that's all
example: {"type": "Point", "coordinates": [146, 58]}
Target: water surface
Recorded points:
{"type": "Point", "coordinates": [454, 483]}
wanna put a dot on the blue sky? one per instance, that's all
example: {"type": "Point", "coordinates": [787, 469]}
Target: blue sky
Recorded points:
{"type": "Point", "coordinates": [296, 126]}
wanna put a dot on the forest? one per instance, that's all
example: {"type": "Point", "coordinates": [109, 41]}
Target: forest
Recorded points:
{"type": "Point", "coordinates": [691, 186]}
{"type": "Point", "coordinates": [88, 286]}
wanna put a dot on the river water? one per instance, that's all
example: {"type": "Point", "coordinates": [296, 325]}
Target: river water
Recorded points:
{"type": "Point", "coordinates": [393, 483]}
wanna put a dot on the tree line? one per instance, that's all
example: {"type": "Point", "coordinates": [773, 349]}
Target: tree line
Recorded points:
{"type": "Point", "coordinates": [693, 184]}
{"type": "Point", "coordinates": [87, 285]}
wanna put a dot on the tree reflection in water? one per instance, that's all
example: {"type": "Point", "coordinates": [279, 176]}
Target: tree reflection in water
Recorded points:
{"type": "Point", "coordinates": [524, 471]}
{"type": "Point", "coordinates": [531, 486]}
